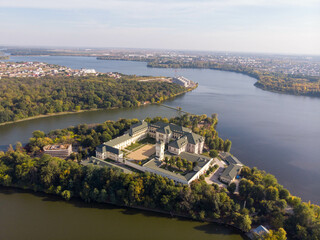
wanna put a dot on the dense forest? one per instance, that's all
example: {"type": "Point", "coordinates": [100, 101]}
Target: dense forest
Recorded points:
{"type": "Point", "coordinates": [27, 97]}
{"type": "Point", "coordinates": [261, 199]}
{"type": "Point", "coordinates": [292, 84]}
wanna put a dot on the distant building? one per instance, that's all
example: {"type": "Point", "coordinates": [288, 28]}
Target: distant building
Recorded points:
{"type": "Point", "coordinates": [182, 81]}
{"type": "Point", "coordinates": [59, 150]}
{"type": "Point", "coordinates": [88, 71]}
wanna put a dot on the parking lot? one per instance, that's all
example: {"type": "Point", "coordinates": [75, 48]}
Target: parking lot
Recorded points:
{"type": "Point", "coordinates": [214, 177]}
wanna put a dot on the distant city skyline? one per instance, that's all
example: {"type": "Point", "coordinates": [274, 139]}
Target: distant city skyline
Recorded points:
{"type": "Point", "coordinates": [262, 26]}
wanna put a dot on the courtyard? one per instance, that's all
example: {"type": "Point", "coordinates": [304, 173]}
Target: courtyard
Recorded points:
{"type": "Point", "coordinates": [142, 153]}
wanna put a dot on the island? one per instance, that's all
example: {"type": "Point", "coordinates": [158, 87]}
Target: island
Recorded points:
{"type": "Point", "coordinates": [178, 166]}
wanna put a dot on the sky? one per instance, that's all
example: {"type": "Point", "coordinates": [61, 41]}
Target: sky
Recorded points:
{"type": "Point", "coordinates": [264, 26]}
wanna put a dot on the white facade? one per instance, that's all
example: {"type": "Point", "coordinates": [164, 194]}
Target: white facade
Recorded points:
{"type": "Point", "coordinates": [179, 179]}
{"type": "Point", "coordinates": [160, 150]}
{"type": "Point", "coordinates": [113, 156]}
{"type": "Point", "coordinates": [112, 148]}
{"type": "Point", "coordinates": [191, 148]}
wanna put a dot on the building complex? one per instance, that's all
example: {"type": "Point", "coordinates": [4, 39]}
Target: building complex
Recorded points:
{"type": "Point", "coordinates": [171, 140]}
{"type": "Point", "coordinates": [178, 139]}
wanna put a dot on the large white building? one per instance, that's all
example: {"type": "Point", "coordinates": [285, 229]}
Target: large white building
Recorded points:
{"type": "Point", "coordinates": [179, 140]}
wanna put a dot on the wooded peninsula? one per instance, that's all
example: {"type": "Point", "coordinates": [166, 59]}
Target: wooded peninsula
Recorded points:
{"type": "Point", "coordinates": [22, 98]}
{"type": "Point", "coordinates": [260, 200]}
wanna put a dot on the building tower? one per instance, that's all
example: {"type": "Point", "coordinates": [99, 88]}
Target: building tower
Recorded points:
{"type": "Point", "coordinates": [160, 150]}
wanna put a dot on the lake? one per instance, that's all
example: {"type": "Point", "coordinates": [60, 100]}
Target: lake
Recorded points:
{"type": "Point", "coordinates": [275, 132]}
{"type": "Point", "coordinates": [26, 216]}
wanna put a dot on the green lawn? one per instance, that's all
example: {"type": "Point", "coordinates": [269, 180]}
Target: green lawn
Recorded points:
{"type": "Point", "coordinates": [134, 145]}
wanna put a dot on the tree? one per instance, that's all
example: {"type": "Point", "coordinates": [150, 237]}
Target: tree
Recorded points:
{"type": "Point", "coordinates": [172, 161]}
{"type": "Point", "coordinates": [38, 134]}
{"type": "Point", "coordinates": [272, 193]}
{"type": "Point", "coordinates": [227, 145]}
{"type": "Point", "coordinates": [284, 194]}
{"type": "Point", "coordinates": [103, 196]}
{"type": "Point", "coordinates": [19, 146]}
{"type": "Point", "coordinates": [270, 180]}
{"type": "Point", "coordinates": [243, 222]}
{"type": "Point", "coordinates": [166, 160]}
{"type": "Point", "coordinates": [179, 164]}
{"type": "Point", "coordinates": [277, 219]}
{"type": "Point", "coordinates": [189, 167]}
{"type": "Point", "coordinates": [185, 162]}
{"type": "Point", "coordinates": [66, 194]}
{"type": "Point", "coordinates": [245, 187]}
{"type": "Point", "coordinates": [282, 204]}
{"type": "Point", "coordinates": [258, 192]}
{"type": "Point", "coordinates": [232, 187]}
{"type": "Point", "coordinates": [280, 234]}
{"type": "Point", "coordinates": [213, 153]}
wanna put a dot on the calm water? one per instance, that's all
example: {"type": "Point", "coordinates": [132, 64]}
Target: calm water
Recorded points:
{"type": "Point", "coordinates": [277, 133]}
{"type": "Point", "coordinates": [24, 216]}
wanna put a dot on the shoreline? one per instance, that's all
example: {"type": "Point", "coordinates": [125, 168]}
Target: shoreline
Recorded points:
{"type": "Point", "coordinates": [52, 115]}
{"type": "Point", "coordinates": [257, 84]}
{"type": "Point", "coordinates": [88, 110]}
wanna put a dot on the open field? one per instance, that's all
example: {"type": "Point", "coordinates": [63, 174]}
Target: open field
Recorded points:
{"type": "Point", "coordinates": [142, 153]}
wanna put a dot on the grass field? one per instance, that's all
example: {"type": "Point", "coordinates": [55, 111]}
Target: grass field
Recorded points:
{"type": "Point", "coordinates": [133, 146]}
{"type": "Point", "coordinates": [142, 153]}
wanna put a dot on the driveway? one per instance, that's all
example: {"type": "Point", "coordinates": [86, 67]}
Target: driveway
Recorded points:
{"type": "Point", "coordinates": [214, 177]}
